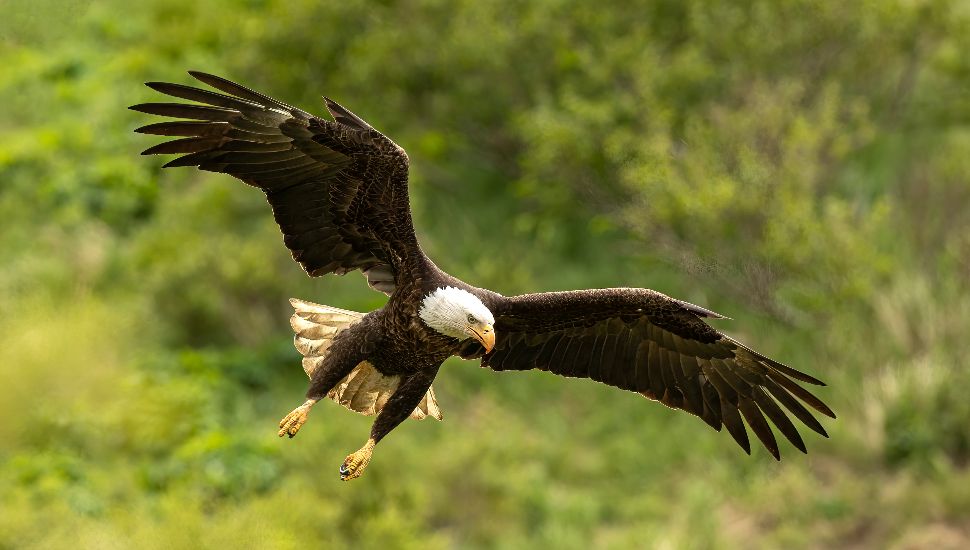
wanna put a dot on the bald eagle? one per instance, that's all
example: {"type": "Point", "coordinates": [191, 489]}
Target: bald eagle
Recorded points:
{"type": "Point", "coordinates": [339, 192]}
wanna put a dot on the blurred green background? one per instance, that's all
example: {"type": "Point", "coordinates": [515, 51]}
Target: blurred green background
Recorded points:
{"type": "Point", "coordinates": [803, 167]}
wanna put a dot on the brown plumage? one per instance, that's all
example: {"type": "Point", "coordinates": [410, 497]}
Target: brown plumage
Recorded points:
{"type": "Point", "coordinates": [338, 190]}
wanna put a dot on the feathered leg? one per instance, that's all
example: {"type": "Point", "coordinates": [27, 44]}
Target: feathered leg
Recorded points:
{"type": "Point", "coordinates": [341, 359]}
{"type": "Point", "coordinates": [397, 408]}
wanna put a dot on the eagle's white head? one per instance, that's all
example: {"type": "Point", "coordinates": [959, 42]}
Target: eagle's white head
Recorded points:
{"type": "Point", "coordinates": [460, 314]}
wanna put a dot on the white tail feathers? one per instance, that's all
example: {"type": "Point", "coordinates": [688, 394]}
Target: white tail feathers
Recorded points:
{"type": "Point", "coordinates": [365, 389]}
{"type": "Point", "coordinates": [315, 326]}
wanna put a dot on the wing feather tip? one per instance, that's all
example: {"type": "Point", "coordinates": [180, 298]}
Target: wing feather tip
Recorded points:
{"type": "Point", "coordinates": [208, 78]}
{"type": "Point", "coordinates": [178, 162]}
{"type": "Point", "coordinates": [798, 443]}
{"type": "Point", "coordinates": [809, 379]}
{"type": "Point", "coordinates": [823, 408]}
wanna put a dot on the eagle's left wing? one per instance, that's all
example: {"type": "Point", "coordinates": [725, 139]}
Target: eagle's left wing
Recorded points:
{"type": "Point", "coordinates": [644, 341]}
{"type": "Point", "coordinates": [338, 189]}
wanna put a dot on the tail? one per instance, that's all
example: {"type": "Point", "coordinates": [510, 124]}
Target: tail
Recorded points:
{"type": "Point", "coordinates": [365, 389]}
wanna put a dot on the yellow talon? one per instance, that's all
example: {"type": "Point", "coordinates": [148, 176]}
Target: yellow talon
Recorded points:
{"type": "Point", "coordinates": [292, 422]}
{"type": "Point", "coordinates": [354, 464]}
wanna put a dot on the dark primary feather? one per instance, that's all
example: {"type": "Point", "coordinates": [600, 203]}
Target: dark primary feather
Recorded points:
{"type": "Point", "coordinates": [644, 341]}
{"type": "Point", "coordinates": [338, 190]}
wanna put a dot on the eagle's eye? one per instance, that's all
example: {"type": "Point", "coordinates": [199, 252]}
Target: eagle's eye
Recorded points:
{"type": "Point", "coordinates": [471, 319]}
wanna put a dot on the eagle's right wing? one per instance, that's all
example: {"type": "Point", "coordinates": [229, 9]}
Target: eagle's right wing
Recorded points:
{"type": "Point", "coordinates": [338, 189]}
{"type": "Point", "coordinates": [643, 341]}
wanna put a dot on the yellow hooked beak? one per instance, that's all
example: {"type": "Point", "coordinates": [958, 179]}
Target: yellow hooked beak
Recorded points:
{"type": "Point", "coordinates": [485, 335]}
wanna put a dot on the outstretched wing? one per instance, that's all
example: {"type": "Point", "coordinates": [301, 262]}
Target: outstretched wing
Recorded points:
{"type": "Point", "coordinates": [644, 341]}
{"type": "Point", "coordinates": [338, 188]}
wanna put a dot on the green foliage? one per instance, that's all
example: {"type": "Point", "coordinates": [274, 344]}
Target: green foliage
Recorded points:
{"type": "Point", "coordinates": [799, 166]}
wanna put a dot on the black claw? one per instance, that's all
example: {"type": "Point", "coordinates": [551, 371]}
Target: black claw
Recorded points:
{"type": "Point", "coordinates": [344, 470]}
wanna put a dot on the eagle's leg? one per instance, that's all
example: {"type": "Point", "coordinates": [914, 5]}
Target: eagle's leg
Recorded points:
{"type": "Point", "coordinates": [339, 362]}
{"type": "Point", "coordinates": [355, 463]}
{"type": "Point", "coordinates": [292, 422]}
{"type": "Point", "coordinates": [397, 408]}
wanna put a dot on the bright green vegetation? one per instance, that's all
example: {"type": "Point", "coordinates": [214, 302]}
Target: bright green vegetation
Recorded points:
{"type": "Point", "coordinates": [800, 166]}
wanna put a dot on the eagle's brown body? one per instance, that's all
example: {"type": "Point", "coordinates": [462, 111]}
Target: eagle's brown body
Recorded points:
{"type": "Point", "coordinates": [338, 190]}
